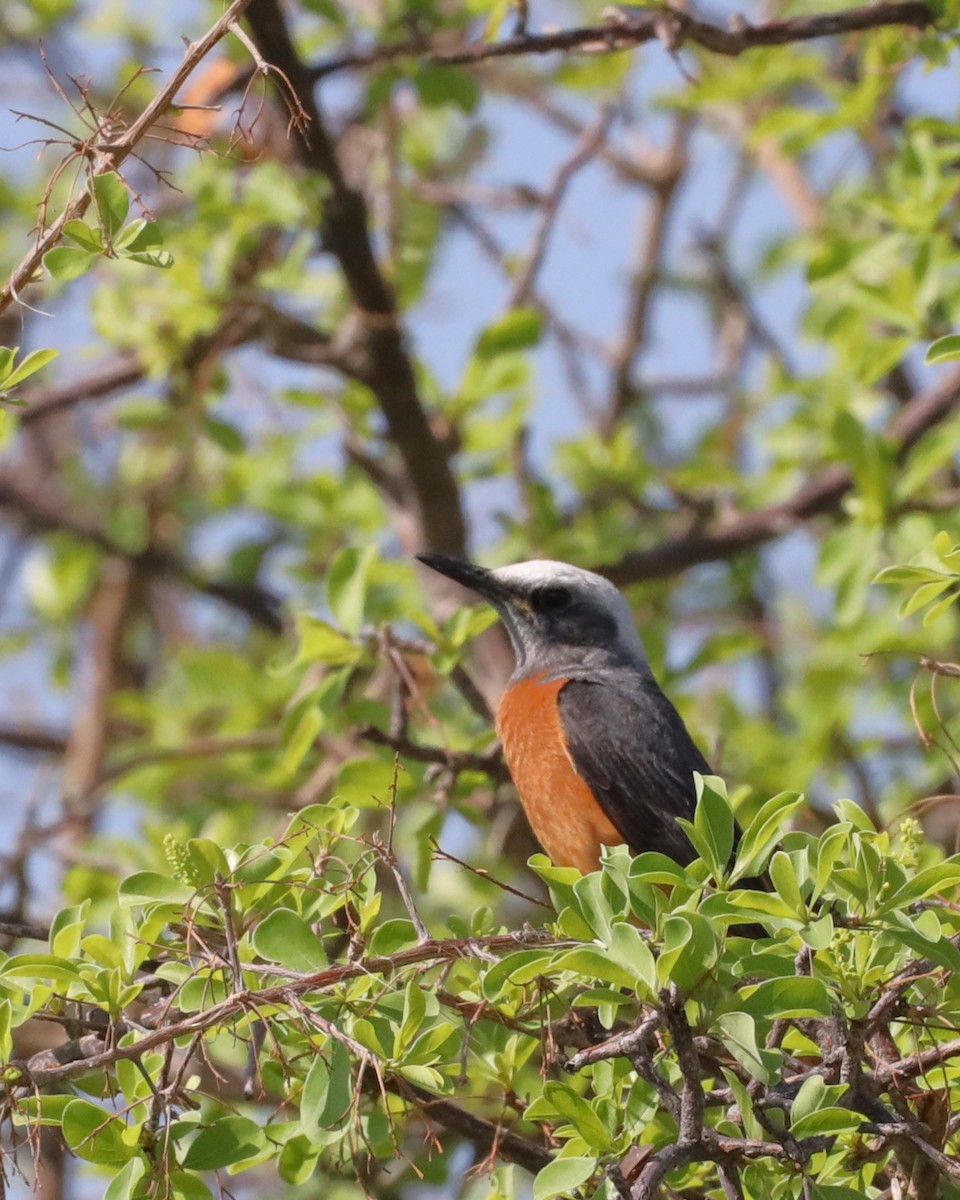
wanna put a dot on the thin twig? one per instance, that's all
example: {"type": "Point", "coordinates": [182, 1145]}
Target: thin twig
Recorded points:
{"type": "Point", "coordinates": [109, 154]}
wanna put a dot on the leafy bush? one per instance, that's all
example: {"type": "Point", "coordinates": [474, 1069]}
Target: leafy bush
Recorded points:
{"type": "Point", "coordinates": [630, 1037]}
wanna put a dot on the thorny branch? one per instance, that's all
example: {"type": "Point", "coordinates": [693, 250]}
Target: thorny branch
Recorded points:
{"type": "Point", "coordinates": [109, 153]}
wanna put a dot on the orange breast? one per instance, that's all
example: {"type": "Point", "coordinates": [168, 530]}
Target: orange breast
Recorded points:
{"type": "Point", "coordinates": [568, 822]}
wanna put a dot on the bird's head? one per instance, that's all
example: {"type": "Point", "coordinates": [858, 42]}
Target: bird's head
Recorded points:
{"type": "Point", "coordinates": [558, 616]}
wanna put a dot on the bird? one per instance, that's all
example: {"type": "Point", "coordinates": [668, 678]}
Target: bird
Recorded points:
{"type": "Point", "coordinates": [597, 752]}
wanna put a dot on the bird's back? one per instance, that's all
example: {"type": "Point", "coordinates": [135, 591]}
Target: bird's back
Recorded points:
{"type": "Point", "coordinates": [599, 758]}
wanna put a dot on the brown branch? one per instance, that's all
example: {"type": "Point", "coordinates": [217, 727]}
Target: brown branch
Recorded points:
{"type": "Point", "coordinates": [33, 740]}
{"type": "Point", "coordinates": [373, 336]}
{"type": "Point", "coordinates": [109, 154]}
{"type": "Point", "coordinates": [23, 929]}
{"type": "Point", "coordinates": [573, 343]}
{"type": "Point", "coordinates": [646, 166]}
{"type": "Point", "coordinates": [89, 737]}
{"type": "Point", "coordinates": [645, 275]}
{"type": "Point", "coordinates": [282, 335]}
{"type": "Point", "coordinates": [204, 747]}
{"type": "Point", "coordinates": [111, 376]}
{"type": "Point", "coordinates": [821, 494]}
{"type": "Point", "coordinates": [491, 764]}
{"type": "Point", "coordinates": [584, 149]}
{"type": "Point", "coordinates": [917, 1064]}
{"type": "Point", "coordinates": [37, 514]}
{"type": "Point", "coordinates": [33, 1074]}
{"type": "Point", "coordinates": [488, 1138]}
{"type": "Point", "coordinates": [629, 28]}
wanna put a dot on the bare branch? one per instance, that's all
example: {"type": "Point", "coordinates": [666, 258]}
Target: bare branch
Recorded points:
{"type": "Point", "coordinates": [585, 148]}
{"type": "Point", "coordinates": [629, 27]}
{"type": "Point", "coordinates": [373, 335]}
{"type": "Point", "coordinates": [110, 154]}
{"type": "Point", "coordinates": [821, 494]}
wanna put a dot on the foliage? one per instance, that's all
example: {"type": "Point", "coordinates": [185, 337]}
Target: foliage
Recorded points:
{"type": "Point", "coordinates": [305, 944]}
{"type": "Point", "coordinates": [13, 373]}
{"type": "Point", "coordinates": [694, 1055]}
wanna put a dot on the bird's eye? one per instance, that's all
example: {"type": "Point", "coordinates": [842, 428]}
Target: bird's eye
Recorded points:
{"type": "Point", "coordinates": [552, 599]}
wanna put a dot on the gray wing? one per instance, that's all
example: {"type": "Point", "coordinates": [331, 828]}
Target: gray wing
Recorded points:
{"type": "Point", "coordinates": [628, 743]}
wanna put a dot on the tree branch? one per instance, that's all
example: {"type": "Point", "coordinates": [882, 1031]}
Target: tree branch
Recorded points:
{"type": "Point", "coordinates": [38, 514]}
{"type": "Point", "coordinates": [37, 1071]}
{"type": "Point", "coordinates": [110, 153]}
{"type": "Point", "coordinates": [373, 336]}
{"type": "Point", "coordinates": [489, 1139]}
{"type": "Point", "coordinates": [821, 494]}
{"type": "Point", "coordinates": [629, 27]}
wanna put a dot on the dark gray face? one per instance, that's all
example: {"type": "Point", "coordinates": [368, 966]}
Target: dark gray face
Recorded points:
{"type": "Point", "coordinates": [554, 620]}
{"type": "Point", "coordinates": [552, 617]}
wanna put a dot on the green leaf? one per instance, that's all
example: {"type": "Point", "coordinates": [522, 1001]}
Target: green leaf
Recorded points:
{"type": "Point", "coordinates": [833, 1191]}
{"type": "Point", "coordinates": [519, 329]}
{"type": "Point", "coordinates": [748, 1117]}
{"type": "Point", "coordinates": [391, 936]}
{"type": "Point", "coordinates": [628, 948]}
{"type": "Point", "coordinates": [40, 966]}
{"type": "Point", "coordinates": [940, 878]}
{"type": "Point", "coordinates": [150, 885]}
{"type": "Point", "coordinates": [590, 962]}
{"type": "Point", "coordinates": [738, 1033]}
{"type": "Point", "coordinates": [690, 950]}
{"type": "Point", "coordinates": [827, 1121]}
{"type": "Point", "coordinates": [300, 740]}
{"type": "Point", "coordinates": [562, 1176]}
{"type": "Point", "coordinates": [133, 233]}
{"type": "Point", "coordinates": [936, 611]}
{"type": "Point", "coordinates": [784, 879]}
{"type": "Point", "coordinates": [437, 85]}
{"type": "Point", "coordinates": [945, 349]}
{"type": "Point", "coordinates": [152, 258]}
{"type": "Point", "coordinates": [68, 262]}
{"type": "Point", "coordinates": [327, 1089]}
{"type": "Point", "coordinates": [228, 437]}
{"type": "Point", "coordinates": [654, 867]}
{"type": "Point", "coordinates": [815, 1110]}
{"type": "Point", "coordinates": [285, 937]}
{"type": "Point", "coordinates": [66, 930]}
{"type": "Point", "coordinates": [316, 1088]}
{"type": "Point", "coordinates": [6, 1030]}
{"type": "Point", "coordinates": [124, 1184]}
{"type": "Point", "coordinates": [790, 996]}
{"type": "Point", "coordinates": [347, 579]}
{"type": "Point", "coordinates": [298, 1161]}
{"type": "Point", "coordinates": [29, 366]}
{"type": "Point", "coordinates": [184, 1185]}
{"type": "Point", "coordinates": [112, 201]}
{"type": "Point", "coordinates": [139, 237]}
{"type": "Point", "coordinates": [713, 820]}
{"type": "Point", "coordinates": [85, 237]}
{"type": "Point", "coordinates": [230, 1139]}
{"type": "Point", "coordinates": [94, 1134]}
{"type": "Point", "coordinates": [907, 575]}
{"type": "Point", "coordinates": [560, 1099]}
{"type": "Point", "coordinates": [925, 594]}
{"type": "Point", "coordinates": [320, 642]}
{"type": "Point", "coordinates": [763, 833]}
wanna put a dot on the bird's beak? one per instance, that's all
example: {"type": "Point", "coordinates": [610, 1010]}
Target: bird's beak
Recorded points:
{"type": "Point", "coordinates": [476, 579]}
{"type": "Point", "coordinates": [512, 606]}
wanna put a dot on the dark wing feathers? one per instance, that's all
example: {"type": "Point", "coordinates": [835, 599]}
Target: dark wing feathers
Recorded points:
{"type": "Point", "coordinates": [629, 744]}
